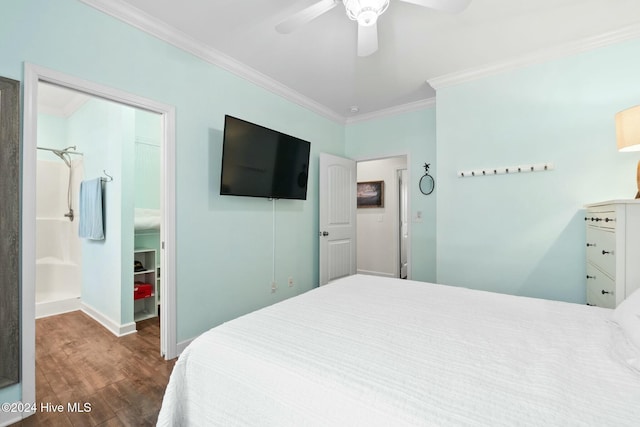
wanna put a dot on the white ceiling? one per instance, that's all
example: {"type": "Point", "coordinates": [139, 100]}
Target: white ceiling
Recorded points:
{"type": "Point", "coordinates": [317, 66]}
{"type": "Point", "coordinates": [58, 101]}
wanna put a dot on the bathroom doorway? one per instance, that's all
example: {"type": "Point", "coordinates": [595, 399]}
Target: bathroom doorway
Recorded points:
{"type": "Point", "coordinates": [80, 136]}
{"type": "Point", "coordinates": [120, 108]}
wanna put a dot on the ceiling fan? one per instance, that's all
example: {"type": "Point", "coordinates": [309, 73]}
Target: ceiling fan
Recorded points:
{"type": "Point", "coordinates": [366, 13]}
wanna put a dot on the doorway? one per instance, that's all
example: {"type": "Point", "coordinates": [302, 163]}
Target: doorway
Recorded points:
{"type": "Point", "coordinates": [34, 76]}
{"type": "Point", "coordinates": [382, 230]}
{"type": "Point", "coordinates": [81, 137]}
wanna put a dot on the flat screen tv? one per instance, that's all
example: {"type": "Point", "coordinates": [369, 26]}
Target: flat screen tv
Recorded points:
{"type": "Point", "coordinates": [262, 162]}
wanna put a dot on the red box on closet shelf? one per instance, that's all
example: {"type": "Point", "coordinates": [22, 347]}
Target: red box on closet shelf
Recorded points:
{"type": "Point", "coordinates": [142, 290]}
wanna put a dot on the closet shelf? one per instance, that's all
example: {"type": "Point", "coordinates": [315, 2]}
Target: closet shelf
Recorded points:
{"type": "Point", "coordinates": [145, 307]}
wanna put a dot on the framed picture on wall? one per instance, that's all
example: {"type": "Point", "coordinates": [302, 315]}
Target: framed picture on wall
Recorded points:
{"type": "Point", "coordinates": [370, 194]}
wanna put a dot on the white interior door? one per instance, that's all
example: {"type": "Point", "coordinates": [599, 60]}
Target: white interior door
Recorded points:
{"type": "Point", "coordinates": [337, 217]}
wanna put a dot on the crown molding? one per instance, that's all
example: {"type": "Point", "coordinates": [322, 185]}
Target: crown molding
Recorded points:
{"type": "Point", "coordinates": [590, 43]}
{"type": "Point", "coordinates": [393, 111]}
{"type": "Point", "coordinates": [142, 21]}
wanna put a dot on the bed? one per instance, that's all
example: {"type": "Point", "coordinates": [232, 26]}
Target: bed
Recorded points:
{"type": "Point", "coordinates": [372, 351]}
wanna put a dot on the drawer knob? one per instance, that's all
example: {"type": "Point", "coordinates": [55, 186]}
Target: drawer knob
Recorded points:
{"type": "Point", "coordinates": [590, 277]}
{"type": "Point", "coordinates": [591, 244]}
{"type": "Point", "coordinates": [607, 252]}
{"type": "Point", "coordinates": [608, 219]}
{"type": "Point", "coordinates": [606, 292]}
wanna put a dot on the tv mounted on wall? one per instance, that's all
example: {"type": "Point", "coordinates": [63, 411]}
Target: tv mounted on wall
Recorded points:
{"type": "Point", "coordinates": [262, 162]}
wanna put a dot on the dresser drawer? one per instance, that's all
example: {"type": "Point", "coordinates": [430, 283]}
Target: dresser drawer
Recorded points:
{"type": "Point", "coordinates": [601, 246]}
{"type": "Point", "coordinates": [613, 250]}
{"type": "Point", "coordinates": [600, 288]}
{"type": "Point", "coordinates": [601, 218]}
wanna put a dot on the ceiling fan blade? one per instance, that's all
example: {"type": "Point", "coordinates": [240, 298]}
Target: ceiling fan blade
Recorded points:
{"type": "Point", "coordinates": [452, 6]}
{"type": "Point", "coordinates": [367, 39]}
{"type": "Point", "coordinates": [305, 15]}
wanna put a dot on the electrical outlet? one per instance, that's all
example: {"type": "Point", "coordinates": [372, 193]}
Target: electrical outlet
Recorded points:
{"type": "Point", "coordinates": [290, 281]}
{"type": "Point", "coordinates": [274, 287]}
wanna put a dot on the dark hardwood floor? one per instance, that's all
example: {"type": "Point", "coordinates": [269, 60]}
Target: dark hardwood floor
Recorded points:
{"type": "Point", "coordinates": [81, 365]}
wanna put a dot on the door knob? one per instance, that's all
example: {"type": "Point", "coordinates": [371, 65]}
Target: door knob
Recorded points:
{"type": "Point", "coordinates": [323, 233]}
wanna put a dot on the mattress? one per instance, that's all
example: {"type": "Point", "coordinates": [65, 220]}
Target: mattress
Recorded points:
{"type": "Point", "coordinates": [371, 351]}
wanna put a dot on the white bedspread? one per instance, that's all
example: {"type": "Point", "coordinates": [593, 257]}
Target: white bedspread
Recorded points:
{"type": "Point", "coordinates": [369, 351]}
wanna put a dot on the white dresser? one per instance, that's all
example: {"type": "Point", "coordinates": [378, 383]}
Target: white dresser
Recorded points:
{"type": "Point", "coordinates": [613, 251]}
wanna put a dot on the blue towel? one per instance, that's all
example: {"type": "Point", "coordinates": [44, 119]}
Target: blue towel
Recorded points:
{"type": "Point", "coordinates": [91, 225]}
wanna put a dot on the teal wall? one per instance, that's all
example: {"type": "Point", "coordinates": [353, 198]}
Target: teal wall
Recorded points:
{"type": "Point", "coordinates": [52, 133]}
{"type": "Point", "coordinates": [524, 234]}
{"type": "Point", "coordinates": [224, 244]}
{"type": "Point", "coordinates": [104, 131]}
{"type": "Point", "coordinates": [147, 173]}
{"type": "Point", "coordinates": [412, 134]}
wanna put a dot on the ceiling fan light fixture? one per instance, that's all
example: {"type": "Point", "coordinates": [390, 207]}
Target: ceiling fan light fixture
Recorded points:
{"type": "Point", "coordinates": [366, 12]}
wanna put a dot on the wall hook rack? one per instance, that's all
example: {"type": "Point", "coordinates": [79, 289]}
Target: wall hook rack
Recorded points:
{"type": "Point", "coordinates": [509, 170]}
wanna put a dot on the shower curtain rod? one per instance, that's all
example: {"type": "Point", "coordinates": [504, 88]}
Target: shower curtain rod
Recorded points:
{"type": "Point", "coordinates": [60, 151]}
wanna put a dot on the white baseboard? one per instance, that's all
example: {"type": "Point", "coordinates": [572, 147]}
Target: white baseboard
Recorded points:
{"type": "Point", "coordinates": [376, 273]}
{"type": "Point", "coordinates": [115, 328]}
{"type": "Point", "coordinates": [183, 344]}
{"type": "Point", "coordinates": [54, 308]}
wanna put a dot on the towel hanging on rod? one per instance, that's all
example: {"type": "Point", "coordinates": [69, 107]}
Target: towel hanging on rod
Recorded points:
{"type": "Point", "coordinates": [91, 224]}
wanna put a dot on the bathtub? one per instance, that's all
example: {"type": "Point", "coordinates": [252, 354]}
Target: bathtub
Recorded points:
{"type": "Point", "coordinates": [58, 267]}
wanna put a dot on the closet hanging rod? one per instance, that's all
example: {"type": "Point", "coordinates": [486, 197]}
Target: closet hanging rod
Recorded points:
{"type": "Point", "coordinates": [55, 150]}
